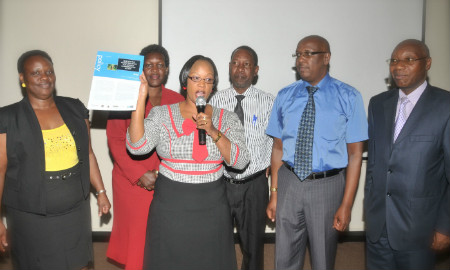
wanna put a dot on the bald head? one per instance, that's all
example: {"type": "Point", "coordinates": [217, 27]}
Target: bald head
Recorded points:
{"type": "Point", "coordinates": [414, 43]}
{"type": "Point", "coordinates": [321, 42]}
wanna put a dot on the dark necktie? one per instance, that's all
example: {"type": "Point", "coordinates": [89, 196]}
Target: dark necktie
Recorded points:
{"type": "Point", "coordinates": [305, 136]}
{"type": "Point", "coordinates": [238, 109]}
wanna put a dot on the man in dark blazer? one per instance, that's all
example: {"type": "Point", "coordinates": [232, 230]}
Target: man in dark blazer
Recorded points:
{"type": "Point", "coordinates": [406, 194]}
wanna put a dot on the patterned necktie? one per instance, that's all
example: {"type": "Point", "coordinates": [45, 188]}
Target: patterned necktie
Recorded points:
{"type": "Point", "coordinates": [401, 117]}
{"type": "Point", "coordinates": [305, 136]}
{"type": "Point", "coordinates": [238, 109]}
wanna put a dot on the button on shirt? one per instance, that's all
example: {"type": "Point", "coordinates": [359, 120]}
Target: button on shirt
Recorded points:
{"type": "Point", "coordinates": [257, 106]}
{"type": "Point", "coordinates": [340, 119]}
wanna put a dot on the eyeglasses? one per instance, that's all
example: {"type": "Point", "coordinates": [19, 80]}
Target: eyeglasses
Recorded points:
{"type": "Point", "coordinates": [406, 61]}
{"type": "Point", "coordinates": [197, 79]}
{"type": "Point", "coordinates": [305, 54]}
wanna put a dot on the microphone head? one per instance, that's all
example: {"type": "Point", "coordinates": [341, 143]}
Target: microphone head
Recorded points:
{"type": "Point", "coordinates": [200, 101]}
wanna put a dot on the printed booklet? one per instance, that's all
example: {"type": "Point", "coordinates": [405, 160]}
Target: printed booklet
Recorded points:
{"type": "Point", "coordinates": [115, 85]}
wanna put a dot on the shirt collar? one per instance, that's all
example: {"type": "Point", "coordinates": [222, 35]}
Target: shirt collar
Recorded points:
{"type": "Point", "coordinates": [414, 95]}
{"type": "Point", "coordinates": [322, 84]}
{"type": "Point", "coordinates": [248, 92]}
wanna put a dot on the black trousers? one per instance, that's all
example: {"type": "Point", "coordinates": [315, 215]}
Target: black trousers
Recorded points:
{"type": "Point", "coordinates": [248, 203]}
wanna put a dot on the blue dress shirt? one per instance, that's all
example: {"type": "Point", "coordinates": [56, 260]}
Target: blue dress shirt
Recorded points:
{"type": "Point", "coordinates": [340, 119]}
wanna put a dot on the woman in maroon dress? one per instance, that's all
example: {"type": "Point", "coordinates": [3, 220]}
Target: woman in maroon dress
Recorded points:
{"type": "Point", "coordinates": [133, 178]}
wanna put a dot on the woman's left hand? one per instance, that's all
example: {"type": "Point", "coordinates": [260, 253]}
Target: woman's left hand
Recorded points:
{"type": "Point", "coordinates": [103, 204]}
{"type": "Point", "coordinates": [143, 88]}
{"type": "Point", "coordinates": [204, 121]}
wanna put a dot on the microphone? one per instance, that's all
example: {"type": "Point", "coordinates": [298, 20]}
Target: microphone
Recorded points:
{"type": "Point", "coordinates": [200, 103]}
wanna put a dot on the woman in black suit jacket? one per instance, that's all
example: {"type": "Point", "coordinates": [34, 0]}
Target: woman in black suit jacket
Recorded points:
{"type": "Point", "coordinates": [46, 168]}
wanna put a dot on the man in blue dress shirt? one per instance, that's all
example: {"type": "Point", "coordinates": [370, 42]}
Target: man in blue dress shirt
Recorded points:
{"type": "Point", "coordinates": [314, 207]}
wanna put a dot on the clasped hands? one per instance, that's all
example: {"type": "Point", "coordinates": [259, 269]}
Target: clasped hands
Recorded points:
{"type": "Point", "coordinates": [148, 180]}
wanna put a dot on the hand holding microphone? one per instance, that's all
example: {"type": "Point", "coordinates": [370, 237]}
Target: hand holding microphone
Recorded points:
{"type": "Point", "coordinates": [200, 103]}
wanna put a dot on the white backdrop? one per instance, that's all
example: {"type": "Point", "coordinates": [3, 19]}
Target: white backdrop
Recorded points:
{"type": "Point", "coordinates": [362, 35]}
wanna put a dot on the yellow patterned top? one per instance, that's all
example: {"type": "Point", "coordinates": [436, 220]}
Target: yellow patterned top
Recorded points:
{"type": "Point", "coordinates": [60, 149]}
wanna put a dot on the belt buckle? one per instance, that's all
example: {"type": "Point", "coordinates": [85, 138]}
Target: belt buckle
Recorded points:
{"type": "Point", "coordinates": [316, 176]}
{"type": "Point", "coordinates": [236, 181]}
{"type": "Point", "coordinates": [230, 180]}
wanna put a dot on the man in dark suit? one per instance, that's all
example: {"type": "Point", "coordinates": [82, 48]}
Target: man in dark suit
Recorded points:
{"type": "Point", "coordinates": [406, 194]}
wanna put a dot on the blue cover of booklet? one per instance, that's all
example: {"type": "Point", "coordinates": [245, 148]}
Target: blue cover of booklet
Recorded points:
{"type": "Point", "coordinates": [115, 84]}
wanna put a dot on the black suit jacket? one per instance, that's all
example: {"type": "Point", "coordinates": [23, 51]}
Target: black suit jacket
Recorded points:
{"type": "Point", "coordinates": [24, 189]}
{"type": "Point", "coordinates": [407, 181]}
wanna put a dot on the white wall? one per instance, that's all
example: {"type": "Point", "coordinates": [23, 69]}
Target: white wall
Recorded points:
{"type": "Point", "coordinates": [437, 37]}
{"type": "Point", "coordinates": [72, 32]}
{"type": "Point", "coordinates": [362, 35]}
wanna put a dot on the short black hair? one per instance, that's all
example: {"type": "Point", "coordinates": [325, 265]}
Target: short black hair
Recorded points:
{"type": "Point", "coordinates": [24, 57]}
{"type": "Point", "coordinates": [155, 48]}
{"type": "Point", "coordinates": [186, 69]}
{"type": "Point", "coordinates": [248, 49]}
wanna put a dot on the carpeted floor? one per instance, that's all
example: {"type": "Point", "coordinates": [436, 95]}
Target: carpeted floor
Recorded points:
{"type": "Point", "coordinates": [350, 255]}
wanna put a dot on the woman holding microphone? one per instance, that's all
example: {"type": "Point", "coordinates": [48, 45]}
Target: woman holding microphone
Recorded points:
{"type": "Point", "coordinates": [189, 223]}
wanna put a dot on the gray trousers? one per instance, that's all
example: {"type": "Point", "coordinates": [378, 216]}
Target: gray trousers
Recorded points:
{"type": "Point", "coordinates": [305, 211]}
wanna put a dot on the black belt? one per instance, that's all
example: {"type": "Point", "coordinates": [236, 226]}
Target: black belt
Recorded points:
{"type": "Point", "coordinates": [245, 179]}
{"type": "Point", "coordinates": [63, 174]}
{"type": "Point", "coordinates": [317, 175]}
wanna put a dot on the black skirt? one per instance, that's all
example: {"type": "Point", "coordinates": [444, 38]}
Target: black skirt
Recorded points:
{"type": "Point", "coordinates": [62, 239]}
{"type": "Point", "coordinates": [189, 227]}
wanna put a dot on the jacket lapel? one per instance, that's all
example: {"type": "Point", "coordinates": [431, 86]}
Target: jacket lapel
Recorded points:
{"type": "Point", "coordinates": [35, 129]}
{"type": "Point", "coordinates": [65, 115]}
{"type": "Point", "coordinates": [389, 110]}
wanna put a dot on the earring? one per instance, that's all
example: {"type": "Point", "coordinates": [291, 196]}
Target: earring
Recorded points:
{"type": "Point", "coordinates": [24, 85]}
{"type": "Point", "coordinates": [184, 88]}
